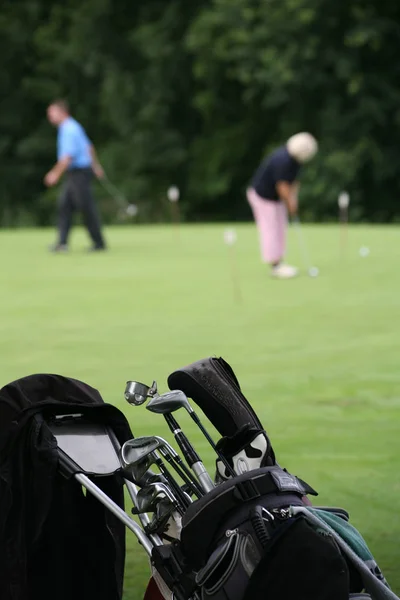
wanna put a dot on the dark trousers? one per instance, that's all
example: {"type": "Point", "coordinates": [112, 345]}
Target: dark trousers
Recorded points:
{"type": "Point", "coordinates": [76, 194]}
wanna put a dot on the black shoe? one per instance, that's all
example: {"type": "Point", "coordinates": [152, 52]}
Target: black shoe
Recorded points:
{"type": "Point", "coordinates": [58, 248]}
{"type": "Point", "coordinates": [97, 249]}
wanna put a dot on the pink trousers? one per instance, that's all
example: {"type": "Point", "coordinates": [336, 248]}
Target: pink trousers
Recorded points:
{"type": "Point", "coordinates": [271, 220]}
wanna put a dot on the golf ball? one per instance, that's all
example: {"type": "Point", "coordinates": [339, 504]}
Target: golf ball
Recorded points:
{"type": "Point", "coordinates": [364, 251]}
{"type": "Point", "coordinates": [313, 272]}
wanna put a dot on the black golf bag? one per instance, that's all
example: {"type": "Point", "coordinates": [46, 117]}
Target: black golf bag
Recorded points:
{"type": "Point", "coordinates": [62, 518]}
{"type": "Point", "coordinates": [56, 542]}
{"type": "Point", "coordinates": [251, 537]}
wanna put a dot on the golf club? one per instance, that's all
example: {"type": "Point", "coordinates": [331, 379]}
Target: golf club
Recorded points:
{"type": "Point", "coordinates": [312, 271]}
{"type": "Point", "coordinates": [177, 463]}
{"type": "Point", "coordinates": [176, 399]}
{"type": "Point", "coordinates": [147, 497]}
{"type": "Point", "coordinates": [142, 466]}
{"type": "Point", "coordinates": [161, 516]}
{"type": "Point", "coordinates": [150, 477]}
{"type": "Point", "coordinates": [125, 209]}
{"type": "Point", "coordinates": [136, 450]}
{"type": "Point", "coordinates": [190, 454]}
{"type": "Point", "coordinates": [137, 393]}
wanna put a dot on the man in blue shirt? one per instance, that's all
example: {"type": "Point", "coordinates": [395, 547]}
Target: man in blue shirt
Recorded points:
{"type": "Point", "coordinates": [273, 193]}
{"type": "Point", "coordinates": [77, 161]}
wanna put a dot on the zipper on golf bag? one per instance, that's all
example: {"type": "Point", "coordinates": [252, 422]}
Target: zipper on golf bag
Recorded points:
{"type": "Point", "coordinates": [229, 568]}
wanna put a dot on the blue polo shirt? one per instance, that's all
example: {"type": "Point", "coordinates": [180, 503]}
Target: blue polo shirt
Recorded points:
{"type": "Point", "coordinates": [72, 141]}
{"type": "Point", "coordinates": [278, 166]}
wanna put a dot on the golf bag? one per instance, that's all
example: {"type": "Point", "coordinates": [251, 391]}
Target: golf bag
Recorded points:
{"type": "Point", "coordinates": [55, 541]}
{"type": "Point", "coordinates": [66, 457]}
{"type": "Point", "coordinates": [253, 537]}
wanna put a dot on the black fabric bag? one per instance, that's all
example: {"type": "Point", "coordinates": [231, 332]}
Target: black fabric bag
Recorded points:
{"type": "Point", "coordinates": [228, 505]}
{"type": "Point", "coordinates": [213, 386]}
{"type": "Point", "coordinates": [245, 545]}
{"type": "Point", "coordinates": [300, 565]}
{"type": "Point", "coordinates": [55, 541]}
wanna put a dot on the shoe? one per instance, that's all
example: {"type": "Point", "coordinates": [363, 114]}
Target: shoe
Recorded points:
{"type": "Point", "coordinates": [58, 248]}
{"type": "Point", "coordinates": [97, 248]}
{"type": "Point", "coordinates": [283, 271]}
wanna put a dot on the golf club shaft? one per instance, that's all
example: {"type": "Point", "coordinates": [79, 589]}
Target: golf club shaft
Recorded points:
{"type": "Point", "coordinates": [301, 242]}
{"type": "Point", "coordinates": [113, 192]}
{"type": "Point", "coordinates": [144, 519]}
{"type": "Point", "coordinates": [212, 444]}
{"type": "Point", "coordinates": [184, 503]}
{"type": "Point", "coordinates": [112, 189]}
{"type": "Point", "coordinates": [91, 487]}
{"type": "Point", "coordinates": [191, 456]}
{"type": "Point", "coordinates": [183, 472]}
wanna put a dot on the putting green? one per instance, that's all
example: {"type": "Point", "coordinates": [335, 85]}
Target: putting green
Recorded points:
{"type": "Point", "coordinates": [318, 358]}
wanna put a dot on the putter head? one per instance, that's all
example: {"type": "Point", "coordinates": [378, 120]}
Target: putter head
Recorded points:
{"type": "Point", "coordinates": [169, 402]}
{"type": "Point", "coordinates": [137, 393]}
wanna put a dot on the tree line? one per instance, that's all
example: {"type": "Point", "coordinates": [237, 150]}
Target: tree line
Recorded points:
{"type": "Point", "coordinates": [194, 93]}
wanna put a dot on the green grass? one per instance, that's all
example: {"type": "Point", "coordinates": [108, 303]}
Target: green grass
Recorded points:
{"type": "Point", "coordinates": [318, 358]}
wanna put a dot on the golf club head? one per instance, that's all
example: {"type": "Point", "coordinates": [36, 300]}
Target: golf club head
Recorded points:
{"type": "Point", "coordinates": [148, 497]}
{"type": "Point", "coordinates": [164, 446]}
{"type": "Point", "coordinates": [136, 393]}
{"type": "Point", "coordinates": [134, 451]}
{"type": "Point", "coordinates": [144, 500]}
{"type": "Point", "coordinates": [163, 513]}
{"type": "Point", "coordinates": [150, 477]}
{"type": "Point", "coordinates": [169, 402]}
{"type": "Point", "coordinates": [140, 469]}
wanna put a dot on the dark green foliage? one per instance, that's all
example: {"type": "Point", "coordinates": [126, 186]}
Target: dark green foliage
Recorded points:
{"type": "Point", "coordinates": [194, 93]}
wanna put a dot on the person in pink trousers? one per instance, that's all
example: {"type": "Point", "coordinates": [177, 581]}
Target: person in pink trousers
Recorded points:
{"type": "Point", "coordinates": [273, 194]}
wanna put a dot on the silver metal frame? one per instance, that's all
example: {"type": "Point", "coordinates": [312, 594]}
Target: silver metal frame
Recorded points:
{"type": "Point", "coordinates": [116, 510]}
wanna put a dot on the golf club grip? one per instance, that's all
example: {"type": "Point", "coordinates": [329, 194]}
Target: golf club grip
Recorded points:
{"type": "Point", "coordinates": [186, 447]}
{"type": "Point", "coordinates": [213, 386]}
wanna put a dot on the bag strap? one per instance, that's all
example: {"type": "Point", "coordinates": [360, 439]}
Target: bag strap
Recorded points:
{"type": "Point", "coordinates": [205, 516]}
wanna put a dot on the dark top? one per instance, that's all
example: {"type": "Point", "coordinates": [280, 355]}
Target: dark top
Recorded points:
{"type": "Point", "coordinates": [278, 166]}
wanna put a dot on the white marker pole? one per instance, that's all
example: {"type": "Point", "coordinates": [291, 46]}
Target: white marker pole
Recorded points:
{"type": "Point", "coordinates": [343, 202]}
{"type": "Point", "coordinates": [173, 195]}
{"type": "Point", "coordinates": [230, 239]}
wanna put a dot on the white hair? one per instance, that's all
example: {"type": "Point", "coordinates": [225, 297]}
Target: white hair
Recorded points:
{"type": "Point", "coordinates": [302, 146]}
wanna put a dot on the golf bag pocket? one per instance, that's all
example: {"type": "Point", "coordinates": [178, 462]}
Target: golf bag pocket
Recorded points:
{"type": "Point", "coordinates": [229, 568]}
{"type": "Point", "coordinates": [227, 507]}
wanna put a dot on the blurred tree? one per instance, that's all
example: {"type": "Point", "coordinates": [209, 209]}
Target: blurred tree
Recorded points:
{"type": "Point", "coordinates": [268, 68]}
{"type": "Point", "coordinates": [194, 93]}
